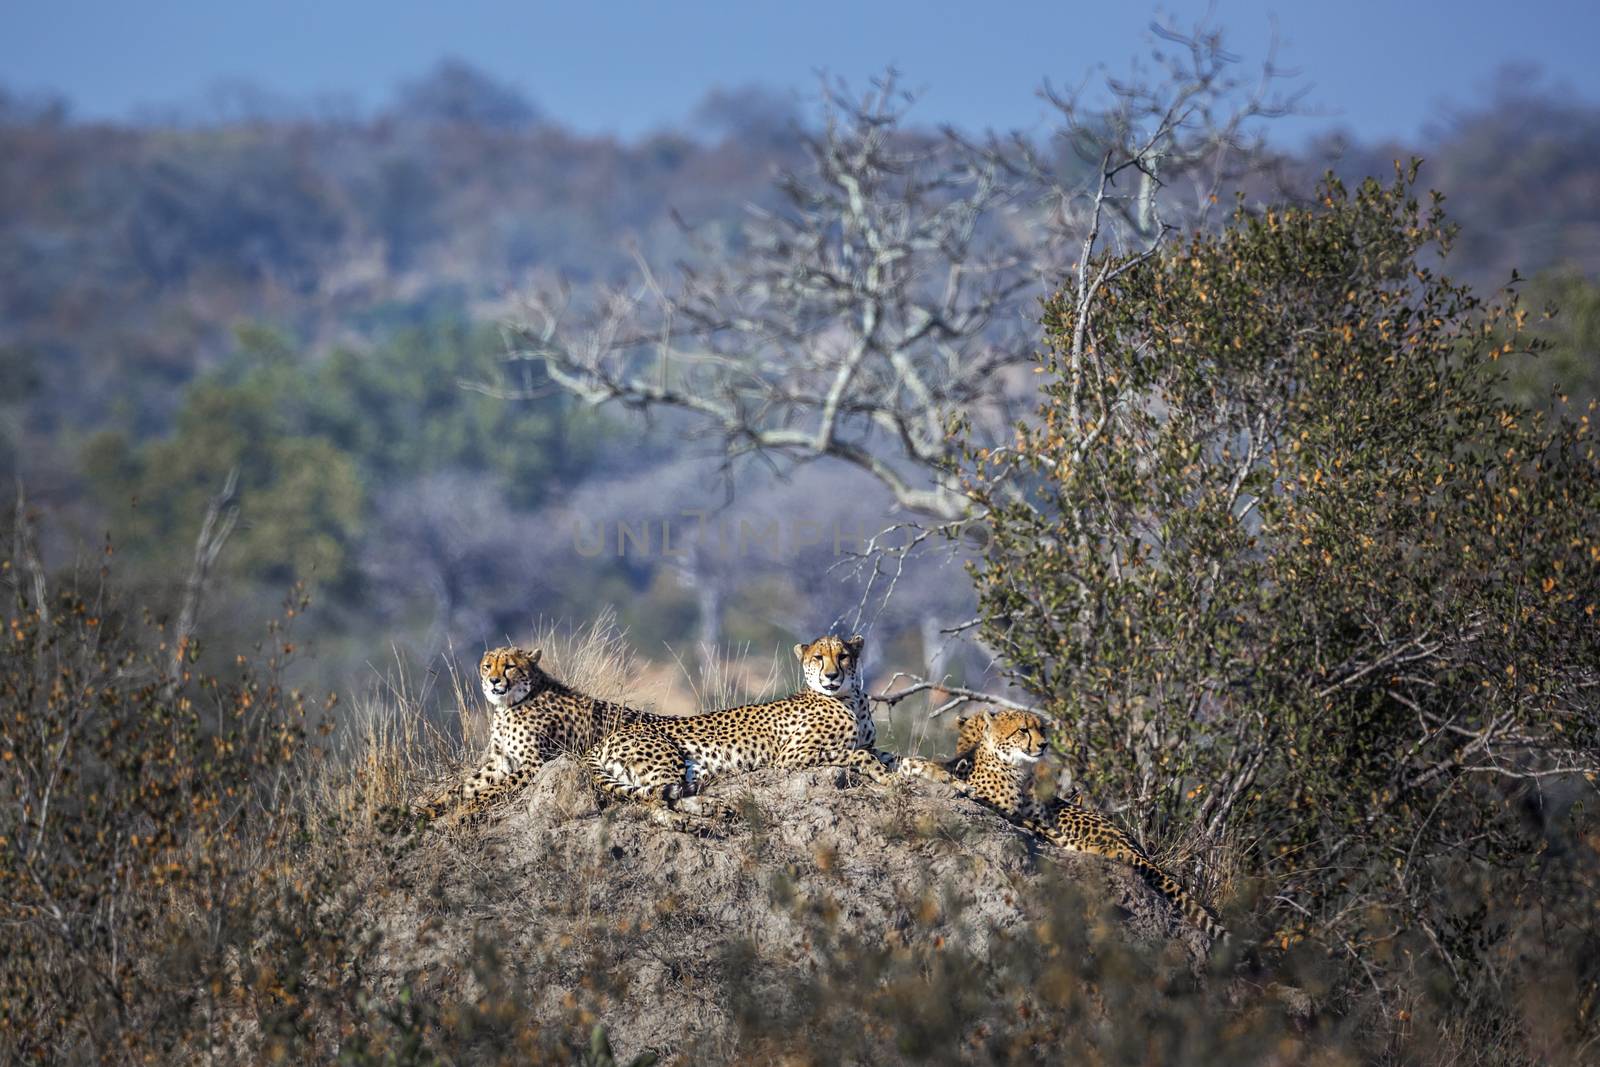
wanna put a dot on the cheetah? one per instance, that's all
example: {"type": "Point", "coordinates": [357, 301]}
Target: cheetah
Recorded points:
{"type": "Point", "coordinates": [536, 718]}
{"type": "Point", "coordinates": [1004, 746]}
{"type": "Point", "coordinates": [668, 761]}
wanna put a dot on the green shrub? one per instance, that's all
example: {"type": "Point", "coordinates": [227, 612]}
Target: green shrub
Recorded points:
{"type": "Point", "coordinates": [1286, 567]}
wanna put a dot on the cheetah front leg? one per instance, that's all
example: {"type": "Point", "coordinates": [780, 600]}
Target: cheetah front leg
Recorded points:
{"type": "Point", "coordinates": [860, 760]}
{"type": "Point", "coordinates": [823, 750]}
{"type": "Point", "coordinates": [933, 771]}
{"type": "Point", "coordinates": [493, 783]}
{"type": "Point", "coordinates": [497, 778]}
{"type": "Point", "coordinates": [868, 762]}
{"type": "Point", "coordinates": [889, 760]}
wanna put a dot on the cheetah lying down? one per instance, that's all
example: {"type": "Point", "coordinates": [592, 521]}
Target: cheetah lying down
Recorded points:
{"type": "Point", "coordinates": [1001, 749]}
{"type": "Point", "coordinates": [667, 761]}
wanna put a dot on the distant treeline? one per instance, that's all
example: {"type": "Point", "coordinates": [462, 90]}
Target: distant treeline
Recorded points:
{"type": "Point", "coordinates": [131, 252]}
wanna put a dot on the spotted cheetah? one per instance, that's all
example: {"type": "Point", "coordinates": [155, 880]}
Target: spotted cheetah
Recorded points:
{"type": "Point", "coordinates": [667, 761]}
{"type": "Point", "coordinates": [1005, 746]}
{"type": "Point", "coordinates": [536, 718]}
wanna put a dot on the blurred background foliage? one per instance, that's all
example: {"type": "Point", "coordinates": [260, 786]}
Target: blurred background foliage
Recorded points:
{"type": "Point", "coordinates": [302, 297]}
{"type": "Point", "coordinates": [314, 440]}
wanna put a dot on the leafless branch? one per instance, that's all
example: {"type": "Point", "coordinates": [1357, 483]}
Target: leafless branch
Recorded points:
{"type": "Point", "coordinates": [28, 552]}
{"type": "Point", "coordinates": [222, 514]}
{"type": "Point", "coordinates": [892, 291]}
{"type": "Point", "coordinates": [958, 695]}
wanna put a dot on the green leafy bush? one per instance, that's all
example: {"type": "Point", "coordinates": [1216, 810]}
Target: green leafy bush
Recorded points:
{"type": "Point", "coordinates": [314, 441]}
{"type": "Point", "coordinates": [1289, 570]}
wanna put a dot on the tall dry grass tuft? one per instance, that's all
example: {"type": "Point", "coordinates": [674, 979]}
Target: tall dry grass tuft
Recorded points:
{"type": "Point", "coordinates": [1212, 868]}
{"type": "Point", "coordinates": [385, 744]}
{"type": "Point", "coordinates": [595, 659]}
{"type": "Point", "coordinates": [394, 743]}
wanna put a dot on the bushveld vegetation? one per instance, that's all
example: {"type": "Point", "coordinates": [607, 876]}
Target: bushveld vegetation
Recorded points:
{"type": "Point", "coordinates": [1294, 535]}
{"type": "Point", "coordinates": [200, 870]}
{"type": "Point", "coordinates": [1304, 592]}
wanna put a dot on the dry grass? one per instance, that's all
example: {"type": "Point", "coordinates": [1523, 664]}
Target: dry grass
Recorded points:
{"type": "Point", "coordinates": [723, 678]}
{"type": "Point", "coordinates": [595, 659]}
{"type": "Point", "coordinates": [393, 743]}
{"type": "Point", "coordinates": [385, 744]}
{"type": "Point", "coordinates": [910, 731]}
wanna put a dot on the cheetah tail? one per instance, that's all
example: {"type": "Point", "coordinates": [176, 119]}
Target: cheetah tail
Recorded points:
{"type": "Point", "coordinates": [1180, 898]}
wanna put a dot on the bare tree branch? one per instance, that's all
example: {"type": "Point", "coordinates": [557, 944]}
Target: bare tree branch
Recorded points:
{"type": "Point", "coordinates": [28, 552]}
{"type": "Point", "coordinates": [222, 514]}
{"type": "Point", "coordinates": [957, 695]}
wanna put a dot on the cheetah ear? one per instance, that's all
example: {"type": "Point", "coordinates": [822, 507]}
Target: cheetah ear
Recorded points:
{"type": "Point", "coordinates": [533, 654]}
{"type": "Point", "coordinates": [855, 644]}
{"type": "Point", "coordinates": [800, 652]}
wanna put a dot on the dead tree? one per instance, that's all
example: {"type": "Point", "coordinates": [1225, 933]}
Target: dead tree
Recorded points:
{"type": "Point", "coordinates": [892, 295]}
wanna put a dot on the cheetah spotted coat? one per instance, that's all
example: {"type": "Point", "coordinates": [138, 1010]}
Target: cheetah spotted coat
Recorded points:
{"type": "Point", "coordinates": [667, 761]}
{"type": "Point", "coordinates": [536, 718]}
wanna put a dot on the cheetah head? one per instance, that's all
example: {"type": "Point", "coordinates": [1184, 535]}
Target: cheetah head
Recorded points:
{"type": "Point", "coordinates": [832, 665]}
{"type": "Point", "coordinates": [507, 675]}
{"type": "Point", "coordinates": [1014, 737]}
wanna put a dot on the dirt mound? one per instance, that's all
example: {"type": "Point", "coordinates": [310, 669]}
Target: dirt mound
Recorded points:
{"type": "Point", "coordinates": [663, 934]}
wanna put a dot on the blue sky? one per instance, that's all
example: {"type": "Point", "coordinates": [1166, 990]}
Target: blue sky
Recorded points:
{"type": "Point", "coordinates": [1378, 68]}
